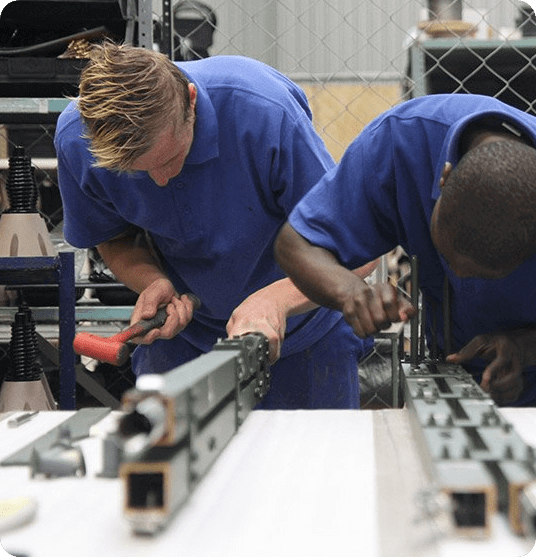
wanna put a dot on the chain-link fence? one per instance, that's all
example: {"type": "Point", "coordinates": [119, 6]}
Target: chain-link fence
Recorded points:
{"type": "Point", "coordinates": [356, 58]}
{"type": "Point", "coordinates": [353, 58]}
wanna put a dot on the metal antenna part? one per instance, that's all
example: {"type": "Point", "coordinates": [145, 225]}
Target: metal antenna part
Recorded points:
{"type": "Point", "coordinates": [414, 323]}
{"type": "Point", "coordinates": [433, 347]}
{"type": "Point", "coordinates": [422, 339]}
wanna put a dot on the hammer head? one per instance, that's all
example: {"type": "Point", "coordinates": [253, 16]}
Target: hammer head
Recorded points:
{"type": "Point", "coordinates": [103, 349]}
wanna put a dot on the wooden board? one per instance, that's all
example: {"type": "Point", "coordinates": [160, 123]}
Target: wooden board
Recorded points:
{"type": "Point", "coordinates": [342, 110]}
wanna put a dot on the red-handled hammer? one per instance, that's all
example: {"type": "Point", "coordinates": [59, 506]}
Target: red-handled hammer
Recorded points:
{"type": "Point", "coordinates": [114, 349]}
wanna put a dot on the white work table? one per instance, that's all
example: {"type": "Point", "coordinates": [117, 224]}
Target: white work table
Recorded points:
{"type": "Point", "coordinates": [290, 483]}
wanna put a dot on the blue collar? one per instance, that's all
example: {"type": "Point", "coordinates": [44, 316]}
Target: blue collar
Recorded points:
{"type": "Point", "coordinates": [205, 143]}
{"type": "Point", "coordinates": [450, 151]}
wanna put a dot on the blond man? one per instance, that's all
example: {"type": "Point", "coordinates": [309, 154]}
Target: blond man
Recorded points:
{"type": "Point", "coordinates": [207, 158]}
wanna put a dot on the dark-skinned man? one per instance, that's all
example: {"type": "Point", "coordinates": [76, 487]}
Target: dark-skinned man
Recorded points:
{"type": "Point", "coordinates": [451, 179]}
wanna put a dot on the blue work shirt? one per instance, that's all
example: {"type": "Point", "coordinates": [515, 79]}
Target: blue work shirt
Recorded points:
{"type": "Point", "coordinates": [382, 195]}
{"type": "Point", "coordinates": [255, 153]}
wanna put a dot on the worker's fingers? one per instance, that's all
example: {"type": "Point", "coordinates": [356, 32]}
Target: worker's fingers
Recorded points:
{"type": "Point", "coordinates": [490, 374]}
{"type": "Point", "coordinates": [478, 346]}
{"type": "Point", "coordinates": [503, 382]}
{"type": "Point", "coordinates": [274, 350]}
{"type": "Point", "coordinates": [272, 334]}
{"type": "Point", "coordinates": [262, 312]}
{"type": "Point", "coordinates": [180, 311]}
{"type": "Point", "coordinates": [406, 310]}
{"type": "Point", "coordinates": [503, 379]}
{"type": "Point", "coordinates": [180, 316]}
{"type": "Point", "coordinates": [193, 299]}
{"type": "Point", "coordinates": [154, 333]}
{"type": "Point", "coordinates": [158, 294]}
{"type": "Point", "coordinates": [274, 344]}
{"type": "Point", "coordinates": [364, 312]}
{"type": "Point", "coordinates": [505, 390]}
{"type": "Point", "coordinates": [375, 308]}
{"type": "Point", "coordinates": [180, 308]}
{"type": "Point", "coordinates": [171, 327]}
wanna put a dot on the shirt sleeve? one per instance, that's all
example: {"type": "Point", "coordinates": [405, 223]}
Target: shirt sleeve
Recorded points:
{"type": "Point", "coordinates": [300, 160]}
{"type": "Point", "coordinates": [353, 210]}
{"type": "Point", "coordinates": [89, 215]}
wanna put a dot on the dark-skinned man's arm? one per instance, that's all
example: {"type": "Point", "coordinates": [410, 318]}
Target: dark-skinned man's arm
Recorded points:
{"type": "Point", "coordinates": [319, 275]}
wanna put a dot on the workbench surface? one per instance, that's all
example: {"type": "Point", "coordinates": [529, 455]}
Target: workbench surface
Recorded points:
{"type": "Point", "coordinates": [291, 483]}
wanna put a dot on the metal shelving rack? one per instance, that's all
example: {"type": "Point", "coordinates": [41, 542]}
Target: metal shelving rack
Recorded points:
{"type": "Point", "coordinates": [499, 68]}
{"type": "Point", "coordinates": [52, 270]}
{"type": "Point", "coordinates": [59, 270]}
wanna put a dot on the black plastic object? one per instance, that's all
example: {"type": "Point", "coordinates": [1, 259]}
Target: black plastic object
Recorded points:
{"type": "Point", "coordinates": [194, 23]}
{"type": "Point", "coordinates": [24, 365]}
{"type": "Point", "coordinates": [20, 185]}
{"type": "Point", "coordinates": [108, 290]}
{"type": "Point", "coordinates": [31, 23]}
{"type": "Point", "coordinates": [33, 33]}
{"type": "Point", "coordinates": [43, 295]}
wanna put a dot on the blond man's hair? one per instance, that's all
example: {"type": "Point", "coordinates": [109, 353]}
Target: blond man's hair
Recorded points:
{"type": "Point", "coordinates": [127, 96]}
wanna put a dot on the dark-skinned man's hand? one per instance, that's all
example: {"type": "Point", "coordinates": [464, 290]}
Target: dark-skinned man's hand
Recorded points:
{"type": "Point", "coordinates": [372, 308]}
{"type": "Point", "coordinates": [505, 352]}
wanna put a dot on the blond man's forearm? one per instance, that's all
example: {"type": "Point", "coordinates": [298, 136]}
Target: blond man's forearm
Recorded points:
{"type": "Point", "coordinates": [131, 261]}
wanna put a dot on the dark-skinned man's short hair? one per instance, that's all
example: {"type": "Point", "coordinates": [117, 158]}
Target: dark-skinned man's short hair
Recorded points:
{"type": "Point", "coordinates": [488, 204]}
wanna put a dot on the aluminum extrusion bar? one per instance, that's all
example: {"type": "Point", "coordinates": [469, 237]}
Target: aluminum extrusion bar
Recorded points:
{"type": "Point", "coordinates": [414, 321]}
{"type": "Point", "coordinates": [471, 452]}
{"type": "Point", "coordinates": [527, 514]}
{"type": "Point", "coordinates": [472, 455]}
{"type": "Point", "coordinates": [178, 423]}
